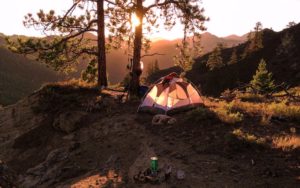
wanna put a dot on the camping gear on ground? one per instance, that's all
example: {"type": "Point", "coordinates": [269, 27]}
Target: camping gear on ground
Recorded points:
{"type": "Point", "coordinates": [143, 90]}
{"type": "Point", "coordinates": [154, 164]}
{"type": "Point", "coordinates": [180, 175]}
{"type": "Point", "coordinates": [170, 94]}
{"type": "Point", "coordinates": [161, 119]}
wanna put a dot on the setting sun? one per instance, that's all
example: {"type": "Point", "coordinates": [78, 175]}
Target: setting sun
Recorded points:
{"type": "Point", "coordinates": [135, 20]}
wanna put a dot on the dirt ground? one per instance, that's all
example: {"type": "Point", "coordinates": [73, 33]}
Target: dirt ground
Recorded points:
{"type": "Point", "coordinates": [110, 143]}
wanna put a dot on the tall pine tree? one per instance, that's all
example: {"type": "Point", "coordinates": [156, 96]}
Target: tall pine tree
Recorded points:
{"type": "Point", "coordinates": [185, 12]}
{"type": "Point", "coordinates": [66, 43]}
{"type": "Point", "coordinates": [262, 81]}
{"type": "Point", "coordinates": [233, 58]}
{"type": "Point", "coordinates": [153, 68]}
{"type": "Point", "coordinates": [255, 40]}
{"type": "Point", "coordinates": [215, 60]}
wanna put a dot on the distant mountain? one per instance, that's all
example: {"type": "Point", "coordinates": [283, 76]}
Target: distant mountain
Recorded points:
{"type": "Point", "coordinates": [284, 66]}
{"type": "Point", "coordinates": [236, 37]}
{"type": "Point", "coordinates": [117, 60]}
{"type": "Point", "coordinates": [20, 76]}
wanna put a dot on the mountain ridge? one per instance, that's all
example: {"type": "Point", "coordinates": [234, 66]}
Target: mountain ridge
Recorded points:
{"type": "Point", "coordinates": [117, 61]}
{"type": "Point", "coordinates": [285, 67]}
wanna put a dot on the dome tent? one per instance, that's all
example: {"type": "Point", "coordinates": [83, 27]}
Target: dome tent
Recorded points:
{"type": "Point", "coordinates": [169, 94]}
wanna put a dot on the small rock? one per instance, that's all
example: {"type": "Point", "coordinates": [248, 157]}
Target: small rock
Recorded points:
{"type": "Point", "coordinates": [180, 174]}
{"type": "Point", "coordinates": [69, 121]}
{"type": "Point", "coordinates": [172, 121]}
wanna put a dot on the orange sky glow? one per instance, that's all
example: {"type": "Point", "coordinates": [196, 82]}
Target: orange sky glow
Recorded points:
{"type": "Point", "coordinates": [226, 16]}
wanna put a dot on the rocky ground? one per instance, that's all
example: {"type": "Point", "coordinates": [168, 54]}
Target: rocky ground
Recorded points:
{"type": "Point", "coordinates": [66, 136]}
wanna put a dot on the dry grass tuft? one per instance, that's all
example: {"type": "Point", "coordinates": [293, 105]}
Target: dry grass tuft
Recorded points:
{"type": "Point", "coordinates": [248, 137]}
{"type": "Point", "coordinates": [250, 97]}
{"type": "Point", "coordinates": [75, 83]}
{"type": "Point", "coordinates": [266, 110]}
{"type": "Point", "coordinates": [287, 143]}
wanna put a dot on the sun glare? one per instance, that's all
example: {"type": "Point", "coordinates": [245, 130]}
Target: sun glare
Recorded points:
{"type": "Point", "coordinates": [135, 20]}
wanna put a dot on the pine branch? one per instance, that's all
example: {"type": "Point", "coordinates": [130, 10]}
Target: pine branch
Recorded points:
{"type": "Point", "coordinates": [153, 54]}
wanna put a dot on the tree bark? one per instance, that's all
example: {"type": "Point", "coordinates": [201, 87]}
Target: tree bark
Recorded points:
{"type": "Point", "coordinates": [136, 67]}
{"type": "Point", "coordinates": [102, 77]}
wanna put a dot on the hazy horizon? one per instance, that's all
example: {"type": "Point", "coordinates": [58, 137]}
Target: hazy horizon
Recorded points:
{"type": "Point", "coordinates": [231, 17]}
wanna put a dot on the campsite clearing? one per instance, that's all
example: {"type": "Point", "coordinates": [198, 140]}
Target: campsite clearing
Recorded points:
{"type": "Point", "coordinates": [111, 143]}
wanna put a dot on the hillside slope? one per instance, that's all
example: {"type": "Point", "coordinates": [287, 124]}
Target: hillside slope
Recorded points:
{"type": "Point", "coordinates": [117, 60]}
{"type": "Point", "coordinates": [116, 65]}
{"type": "Point", "coordinates": [285, 66]}
{"type": "Point", "coordinates": [69, 136]}
{"type": "Point", "coordinates": [20, 76]}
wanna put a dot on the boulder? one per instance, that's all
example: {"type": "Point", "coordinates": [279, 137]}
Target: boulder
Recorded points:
{"type": "Point", "coordinates": [69, 121]}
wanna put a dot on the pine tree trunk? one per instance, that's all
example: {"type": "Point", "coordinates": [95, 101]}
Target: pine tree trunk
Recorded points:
{"type": "Point", "coordinates": [102, 78]}
{"type": "Point", "coordinates": [136, 70]}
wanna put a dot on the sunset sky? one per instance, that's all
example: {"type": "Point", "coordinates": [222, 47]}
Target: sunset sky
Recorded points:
{"type": "Point", "coordinates": [227, 16]}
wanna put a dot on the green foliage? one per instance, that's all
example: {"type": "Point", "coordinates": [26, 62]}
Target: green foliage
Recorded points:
{"type": "Point", "coordinates": [291, 24]}
{"type": "Point", "coordinates": [126, 80]}
{"type": "Point", "coordinates": [90, 73]}
{"type": "Point", "coordinates": [199, 114]}
{"type": "Point", "coordinates": [287, 45]}
{"type": "Point", "coordinates": [67, 40]}
{"type": "Point", "coordinates": [152, 68]}
{"type": "Point", "coordinates": [250, 97]}
{"type": "Point", "coordinates": [233, 58]}
{"type": "Point", "coordinates": [283, 109]}
{"type": "Point", "coordinates": [229, 114]}
{"type": "Point", "coordinates": [215, 60]}
{"type": "Point", "coordinates": [255, 39]}
{"type": "Point", "coordinates": [184, 59]}
{"type": "Point", "coordinates": [65, 45]}
{"type": "Point", "coordinates": [248, 137]}
{"type": "Point", "coordinates": [262, 81]}
{"type": "Point", "coordinates": [190, 14]}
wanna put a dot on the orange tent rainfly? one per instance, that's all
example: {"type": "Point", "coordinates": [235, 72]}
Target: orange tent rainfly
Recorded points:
{"type": "Point", "coordinates": [169, 94]}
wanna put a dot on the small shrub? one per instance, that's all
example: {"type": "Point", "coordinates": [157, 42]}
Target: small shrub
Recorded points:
{"type": "Point", "coordinates": [199, 114]}
{"type": "Point", "coordinates": [248, 137]}
{"type": "Point", "coordinates": [228, 95]}
{"type": "Point", "coordinates": [238, 141]}
{"type": "Point", "coordinates": [262, 81]}
{"type": "Point", "coordinates": [250, 97]}
{"type": "Point", "coordinates": [282, 109]}
{"type": "Point", "coordinates": [229, 114]}
{"type": "Point", "coordinates": [265, 119]}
